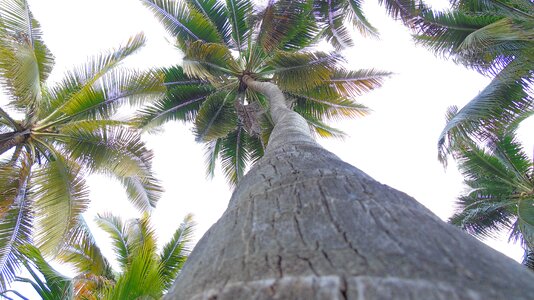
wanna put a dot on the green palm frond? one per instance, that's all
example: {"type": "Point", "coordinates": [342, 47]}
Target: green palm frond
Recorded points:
{"type": "Point", "coordinates": [515, 8]}
{"type": "Point", "coordinates": [357, 16]}
{"type": "Point", "coordinates": [217, 117]}
{"type": "Point", "coordinates": [187, 24]}
{"type": "Point", "coordinates": [118, 232]}
{"type": "Point", "coordinates": [234, 155]}
{"type": "Point", "coordinates": [82, 252]}
{"type": "Point", "coordinates": [182, 103]}
{"type": "Point", "coordinates": [119, 152]}
{"type": "Point", "coordinates": [505, 99]}
{"type": "Point", "coordinates": [175, 251]}
{"type": "Point", "coordinates": [324, 103]}
{"type": "Point", "coordinates": [77, 91]}
{"type": "Point", "coordinates": [405, 10]}
{"type": "Point", "coordinates": [60, 196]}
{"type": "Point", "coordinates": [216, 12]}
{"type": "Point", "coordinates": [141, 280]}
{"type": "Point", "coordinates": [319, 127]}
{"type": "Point", "coordinates": [239, 14]}
{"type": "Point", "coordinates": [25, 61]}
{"type": "Point", "coordinates": [55, 284]}
{"type": "Point", "coordinates": [211, 154]}
{"type": "Point", "coordinates": [355, 83]}
{"type": "Point", "coordinates": [287, 25]}
{"type": "Point", "coordinates": [209, 61]}
{"type": "Point", "coordinates": [301, 71]}
{"type": "Point", "coordinates": [16, 216]}
{"type": "Point", "coordinates": [331, 15]}
{"type": "Point", "coordinates": [525, 220]}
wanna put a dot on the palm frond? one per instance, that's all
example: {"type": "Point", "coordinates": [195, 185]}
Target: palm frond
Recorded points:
{"type": "Point", "coordinates": [209, 61]}
{"type": "Point", "coordinates": [319, 127]}
{"type": "Point", "coordinates": [234, 155]}
{"type": "Point", "coordinates": [82, 252]}
{"type": "Point", "coordinates": [211, 154]}
{"type": "Point", "coordinates": [239, 13]}
{"type": "Point", "coordinates": [16, 217]}
{"type": "Point", "coordinates": [216, 12]}
{"type": "Point", "coordinates": [355, 83]}
{"type": "Point", "coordinates": [216, 117]}
{"type": "Point", "coordinates": [525, 216]}
{"type": "Point", "coordinates": [186, 24]}
{"type": "Point", "coordinates": [404, 10]}
{"type": "Point", "coordinates": [60, 197]}
{"type": "Point", "coordinates": [175, 252]}
{"type": "Point", "coordinates": [357, 16]}
{"type": "Point", "coordinates": [301, 71]}
{"type": "Point", "coordinates": [78, 86]}
{"type": "Point", "coordinates": [119, 152]}
{"type": "Point", "coordinates": [117, 231]}
{"type": "Point", "coordinates": [505, 99]}
{"type": "Point", "coordinates": [287, 25]}
{"type": "Point", "coordinates": [514, 8]}
{"type": "Point", "coordinates": [25, 61]}
{"type": "Point", "coordinates": [324, 103]}
{"type": "Point", "coordinates": [55, 285]}
{"type": "Point", "coordinates": [181, 102]}
{"type": "Point", "coordinates": [331, 14]}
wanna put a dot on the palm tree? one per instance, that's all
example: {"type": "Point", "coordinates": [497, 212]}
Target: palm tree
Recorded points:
{"type": "Point", "coordinates": [496, 38]}
{"type": "Point", "coordinates": [302, 224]}
{"type": "Point", "coordinates": [54, 134]}
{"type": "Point", "coordinates": [500, 184]}
{"type": "Point", "coordinates": [144, 273]}
{"type": "Point", "coordinates": [223, 43]}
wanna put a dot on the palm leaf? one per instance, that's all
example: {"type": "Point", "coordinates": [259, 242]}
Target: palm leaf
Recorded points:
{"type": "Point", "coordinates": [117, 230]}
{"type": "Point", "coordinates": [505, 99]}
{"type": "Point", "coordinates": [287, 25]}
{"type": "Point", "coordinates": [78, 87]}
{"type": "Point", "coordinates": [60, 196]}
{"type": "Point", "coordinates": [405, 10]}
{"type": "Point", "coordinates": [211, 154]}
{"type": "Point", "coordinates": [175, 252]}
{"type": "Point", "coordinates": [525, 215]}
{"type": "Point", "coordinates": [301, 71]}
{"type": "Point", "coordinates": [319, 127]}
{"type": "Point", "coordinates": [355, 83]}
{"type": "Point", "coordinates": [209, 61]}
{"type": "Point", "coordinates": [16, 219]}
{"type": "Point", "coordinates": [55, 285]}
{"type": "Point", "coordinates": [234, 155]}
{"type": "Point", "coordinates": [25, 61]}
{"type": "Point", "coordinates": [217, 116]}
{"type": "Point", "coordinates": [359, 20]}
{"type": "Point", "coordinates": [239, 12]}
{"type": "Point", "coordinates": [216, 12]}
{"type": "Point", "coordinates": [331, 14]}
{"type": "Point", "coordinates": [118, 152]}
{"type": "Point", "coordinates": [186, 24]}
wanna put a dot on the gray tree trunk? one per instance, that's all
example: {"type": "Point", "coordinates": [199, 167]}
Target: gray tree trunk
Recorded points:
{"type": "Point", "coordinates": [302, 224]}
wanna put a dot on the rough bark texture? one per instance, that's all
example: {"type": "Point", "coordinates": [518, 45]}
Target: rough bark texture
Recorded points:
{"type": "Point", "coordinates": [302, 224]}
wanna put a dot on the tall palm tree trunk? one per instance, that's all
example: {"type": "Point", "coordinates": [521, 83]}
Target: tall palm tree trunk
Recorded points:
{"type": "Point", "coordinates": [302, 224]}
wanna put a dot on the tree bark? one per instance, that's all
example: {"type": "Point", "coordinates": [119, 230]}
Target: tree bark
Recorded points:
{"type": "Point", "coordinates": [302, 224]}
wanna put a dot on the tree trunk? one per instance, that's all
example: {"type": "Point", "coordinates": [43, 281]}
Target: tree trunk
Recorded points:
{"type": "Point", "coordinates": [302, 224]}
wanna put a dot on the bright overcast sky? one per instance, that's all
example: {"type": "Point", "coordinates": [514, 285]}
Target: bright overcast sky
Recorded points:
{"type": "Point", "coordinates": [396, 144]}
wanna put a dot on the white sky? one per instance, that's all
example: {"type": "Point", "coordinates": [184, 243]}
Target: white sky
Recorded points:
{"type": "Point", "coordinates": [396, 144]}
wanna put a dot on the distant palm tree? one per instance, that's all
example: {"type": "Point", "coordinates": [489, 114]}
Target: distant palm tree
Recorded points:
{"type": "Point", "coordinates": [501, 191]}
{"type": "Point", "coordinates": [496, 38]}
{"type": "Point", "coordinates": [53, 135]}
{"type": "Point", "coordinates": [223, 43]}
{"type": "Point", "coordinates": [144, 273]}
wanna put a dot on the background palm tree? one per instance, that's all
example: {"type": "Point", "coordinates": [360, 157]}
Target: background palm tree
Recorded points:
{"type": "Point", "coordinates": [222, 43]}
{"type": "Point", "coordinates": [144, 273]}
{"type": "Point", "coordinates": [500, 191]}
{"type": "Point", "coordinates": [496, 38]}
{"type": "Point", "coordinates": [56, 134]}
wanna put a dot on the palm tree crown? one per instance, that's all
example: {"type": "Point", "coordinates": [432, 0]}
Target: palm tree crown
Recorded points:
{"type": "Point", "coordinates": [65, 132]}
{"type": "Point", "coordinates": [496, 38]}
{"type": "Point", "coordinates": [224, 41]}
